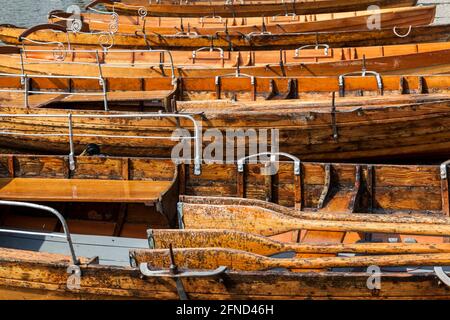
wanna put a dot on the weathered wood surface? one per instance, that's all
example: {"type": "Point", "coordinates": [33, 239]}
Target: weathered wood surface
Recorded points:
{"type": "Point", "coordinates": [249, 9]}
{"type": "Point", "coordinates": [212, 258]}
{"type": "Point", "coordinates": [339, 39]}
{"type": "Point", "coordinates": [222, 238]}
{"type": "Point", "coordinates": [358, 20]}
{"type": "Point", "coordinates": [100, 282]}
{"type": "Point", "coordinates": [397, 216]}
{"type": "Point", "coordinates": [267, 223]}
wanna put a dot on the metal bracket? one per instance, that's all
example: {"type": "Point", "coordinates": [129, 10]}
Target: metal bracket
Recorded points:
{"type": "Point", "coordinates": [180, 215]}
{"type": "Point", "coordinates": [71, 147]}
{"type": "Point", "coordinates": [146, 271]}
{"type": "Point", "coordinates": [443, 169]}
{"type": "Point", "coordinates": [174, 273]}
{"type": "Point", "coordinates": [442, 275]}
{"type": "Point", "coordinates": [151, 239]}
{"type": "Point", "coordinates": [363, 73]}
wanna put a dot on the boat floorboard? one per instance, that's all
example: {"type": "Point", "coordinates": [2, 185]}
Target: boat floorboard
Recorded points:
{"type": "Point", "coordinates": [109, 250]}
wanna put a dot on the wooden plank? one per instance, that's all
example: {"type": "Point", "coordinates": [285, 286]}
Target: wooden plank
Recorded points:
{"type": "Point", "coordinates": [240, 179]}
{"type": "Point", "coordinates": [125, 169]}
{"type": "Point", "coordinates": [298, 191]}
{"type": "Point", "coordinates": [11, 168]}
{"type": "Point", "coordinates": [326, 186]}
{"type": "Point", "coordinates": [445, 189]}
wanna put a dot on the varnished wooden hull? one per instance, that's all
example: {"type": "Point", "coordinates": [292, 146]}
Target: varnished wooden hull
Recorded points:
{"type": "Point", "coordinates": [402, 59]}
{"type": "Point", "coordinates": [125, 283]}
{"type": "Point", "coordinates": [252, 10]}
{"type": "Point", "coordinates": [388, 18]}
{"type": "Point", "coordinates": [374, 132]}
{"type": "Point", "coordinates": [420, 34]}
{"type": "Point", "coordinates": [412, 194]}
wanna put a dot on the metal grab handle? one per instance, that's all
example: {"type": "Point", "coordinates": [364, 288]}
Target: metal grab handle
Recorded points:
{"type": "Point", "coordinates": [326, 49]}
{"type": "Point", "coordinates": [361, 73]}
{"type": "Point", "coordinates": [258, 33]}
{"type": "Point", "coordinates": [219, 18]}
{"type": "Point", "coordinates": [147, 272]}
{"type": "Point", "coordinates": [240, 162]}
{"type": "Point", "coordinates": [292, 14]}
{"type": "Point", "coordinates": [66, 235]}
{"type": "Point", "coordinates": [238, 74]}
{"type": "Point", "coordinates": [210, 49]}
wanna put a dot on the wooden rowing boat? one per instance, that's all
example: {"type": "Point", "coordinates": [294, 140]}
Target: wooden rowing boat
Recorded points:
{"type": "Point", "coordinates": [378, 129]}
{"type": "Point", "coordinates": [235, 41]}
{"type": "Point", "coordinates": [221, 264]}
{"type": "Point", "coordinates": [426, 58]}
{"type": "Point", "coordinates": [248, 9]}
{"type": "Point", "coordinates": [358, 20]}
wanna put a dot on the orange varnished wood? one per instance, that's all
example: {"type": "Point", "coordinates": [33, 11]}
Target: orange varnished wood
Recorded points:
{"type": "Point", "coordinates": [300, 23]}
{"type": "Point", "coordinates": [34, 189]}
{"type": "Point", "coordinates": [250, 9]}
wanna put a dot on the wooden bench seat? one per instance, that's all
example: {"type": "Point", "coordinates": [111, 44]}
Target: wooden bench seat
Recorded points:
{"type": "Point", "coordinates": [82, 190]}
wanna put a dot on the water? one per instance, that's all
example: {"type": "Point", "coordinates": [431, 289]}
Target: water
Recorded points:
{"type": "Point", "coordinates": [26, 13]}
